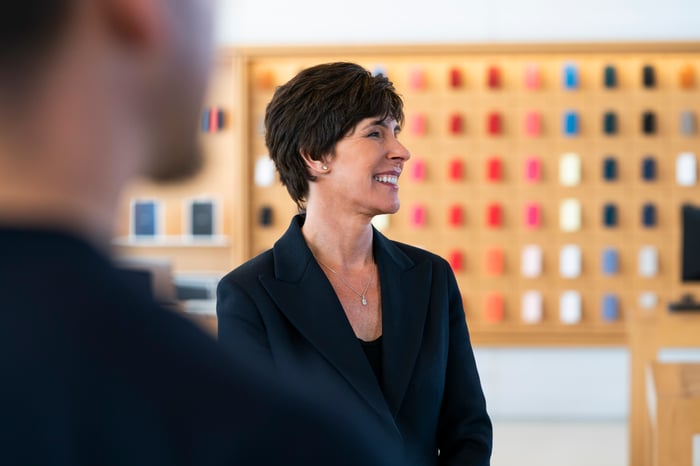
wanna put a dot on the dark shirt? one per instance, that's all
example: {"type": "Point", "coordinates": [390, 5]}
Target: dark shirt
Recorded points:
{"type": "Point", "coordinates": [281, 306]}
{"type": "Point", "coordinates": [373, 350]}
{"type": "Point", "coordinates": [93, 372]}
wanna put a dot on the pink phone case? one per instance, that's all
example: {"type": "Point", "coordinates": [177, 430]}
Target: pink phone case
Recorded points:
{"type": "Point", "coordinates": [533, 124]}
{"type": "Point", "coordinates": [418, 172]}
{"type": "Point", "coordinates": [418, 125]}
{"type": "Point", "coordinates": [532, 169]}
{"type": "Point", "coordinates": [533, 79]}
{"type": "Point", "coordinates": [418, 216]}
{"type": "Point", "coordinates": [532, 215]}
{"type": "Point", "coordinates": [418, 80]}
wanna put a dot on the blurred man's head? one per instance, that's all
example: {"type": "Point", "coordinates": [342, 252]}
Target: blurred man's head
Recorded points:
{"type": "Point", "coordinates": [95, 92]}
{"type": "Point", "coordinates": [160, 51]}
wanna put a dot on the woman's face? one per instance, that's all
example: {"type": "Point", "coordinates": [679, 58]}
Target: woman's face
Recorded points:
{"type": "Point", "coordinates": [365, 167]}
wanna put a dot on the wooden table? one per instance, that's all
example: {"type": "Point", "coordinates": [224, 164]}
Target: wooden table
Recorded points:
{"type": "Point", "coordinates": [648, 335]}
{"type": "Point", "coordinates": [674, 412]}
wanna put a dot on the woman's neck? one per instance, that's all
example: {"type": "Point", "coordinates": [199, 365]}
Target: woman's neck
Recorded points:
{"type": "Point", "coordinates": [337, 240]}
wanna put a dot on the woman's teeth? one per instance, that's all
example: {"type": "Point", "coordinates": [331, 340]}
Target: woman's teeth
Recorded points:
{"type": "Point", "coordinates": [391, 179]}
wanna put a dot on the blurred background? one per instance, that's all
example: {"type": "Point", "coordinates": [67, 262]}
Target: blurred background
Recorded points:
{"type": "Point", "coordinates": [552, 404]}
{"type": "Point", "coordinates": [447, 21]}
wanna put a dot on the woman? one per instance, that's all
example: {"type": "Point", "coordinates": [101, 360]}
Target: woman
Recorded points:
{"type": "Point", "coordinates": [335, 300]}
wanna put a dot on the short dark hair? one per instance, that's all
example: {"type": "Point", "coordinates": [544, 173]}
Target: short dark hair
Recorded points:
{"type": "Point", "coordinates": [315, 110]}
{"type": "Point", "coordinates": [28, 31]}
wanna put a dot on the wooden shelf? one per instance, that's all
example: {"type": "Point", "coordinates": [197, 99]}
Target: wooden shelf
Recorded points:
{"type": "Point", "coordinates": [218, 241]}
{"type": "Point", "coordinates": [613, 334]}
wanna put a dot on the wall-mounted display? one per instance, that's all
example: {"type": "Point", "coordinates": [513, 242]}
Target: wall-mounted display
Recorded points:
{"type": "Point", "coordinates": [146, 218]}
{"type": "Point", "coordinates": [519, 154]}
{"type": "Point", "coordinates": [202, 219]}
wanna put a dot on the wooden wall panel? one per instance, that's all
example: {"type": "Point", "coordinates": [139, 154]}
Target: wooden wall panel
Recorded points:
{"type": "Point", "coordinates": [245, 80]}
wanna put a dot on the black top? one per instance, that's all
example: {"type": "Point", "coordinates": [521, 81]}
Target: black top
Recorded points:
{"type": "Point", "coordinates": [373, 350]}
{"type": "Point", "coordinates": [281, 306]}
{"type": "Point", "coordinates": [94, 372]}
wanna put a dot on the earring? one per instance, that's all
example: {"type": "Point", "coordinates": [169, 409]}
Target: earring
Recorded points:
{"type": "Point", "coordinates": [325, 167]}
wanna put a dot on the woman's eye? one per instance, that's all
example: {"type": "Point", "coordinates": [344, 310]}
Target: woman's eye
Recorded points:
{"type": "Point", "coordinates": [374, 134]}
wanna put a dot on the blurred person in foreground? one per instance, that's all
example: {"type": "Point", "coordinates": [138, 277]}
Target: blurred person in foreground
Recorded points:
{"type": "Point", "coordinates": [336, 299]}
{"type": "Point", "coordinates": [92, 94]}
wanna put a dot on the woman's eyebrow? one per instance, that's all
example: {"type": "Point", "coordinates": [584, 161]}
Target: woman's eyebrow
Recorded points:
{"type": "Point", "coordinates": [385, 124]}
{"type": "Point", "coordinates": [376, 123]}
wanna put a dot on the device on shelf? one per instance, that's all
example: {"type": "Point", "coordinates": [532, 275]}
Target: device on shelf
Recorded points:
{"type": "Point", "coordinates": [690, 258]}
{"type": "Point", "coordinates": [687, 303]}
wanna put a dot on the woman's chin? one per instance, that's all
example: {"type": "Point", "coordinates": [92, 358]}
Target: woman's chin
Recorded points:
{"type": "Point", "coordinates": [388, 210]}
{"type": "Point", "coordinates": [384, 209]}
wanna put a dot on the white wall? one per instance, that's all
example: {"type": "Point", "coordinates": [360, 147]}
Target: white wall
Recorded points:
{"type": "Point", "coordinates": [555, 383]}
{"type": "Point", "coordinates": [519, 383]}
{"type": "Point", "coordinates": [419, 21]}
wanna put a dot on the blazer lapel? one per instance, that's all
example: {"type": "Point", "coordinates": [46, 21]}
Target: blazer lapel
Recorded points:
{"type": "Point", "coordinates": [405, 301]}
{"type": "Point", "coordinates": [302, 292]}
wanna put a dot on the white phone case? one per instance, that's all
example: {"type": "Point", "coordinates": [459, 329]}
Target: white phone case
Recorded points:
{"type": "Point", "coordinates": [570, 261]}
{"type": "Point", "coordinates": [570, 307]}
{"type": "Point", "coordinates": [531, 311]}
{"type": "Point", "coordinates": [570, 215]}
{"type": "Point", "coordinates": [531, 261]}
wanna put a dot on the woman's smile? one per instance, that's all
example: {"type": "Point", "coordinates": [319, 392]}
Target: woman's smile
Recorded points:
{"type": "Point", "coordinates": [389, 178]}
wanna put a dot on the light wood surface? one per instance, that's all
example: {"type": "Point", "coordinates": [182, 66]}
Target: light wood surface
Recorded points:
{"type": "Point", "coordinates": [437, 101]}
{"type": "Point", "coordinates": [648, 334]}
{"type": "Point", "coordinates": [245, 78]}
{"type": "Point", "coordinates": [674, 408]}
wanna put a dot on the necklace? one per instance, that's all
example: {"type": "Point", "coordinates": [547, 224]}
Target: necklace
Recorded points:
{"type": "Point", "coordinates": [363, 295]}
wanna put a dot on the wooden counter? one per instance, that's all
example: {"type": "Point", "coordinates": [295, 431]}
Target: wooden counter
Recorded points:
{"type": "Point", "coordinates": [674, 412]}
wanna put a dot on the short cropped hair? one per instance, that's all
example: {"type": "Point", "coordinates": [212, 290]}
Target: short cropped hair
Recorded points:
{"type": "Point", "coordinates": [28, 31]}
{"type": "Point", "coordinates": [316, 109]}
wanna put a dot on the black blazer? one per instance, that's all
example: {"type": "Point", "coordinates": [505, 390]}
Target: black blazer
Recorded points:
{"type": "Point", "coordinates": [93, 372]}
{"type": "Point", "coordinates": [281, 306]}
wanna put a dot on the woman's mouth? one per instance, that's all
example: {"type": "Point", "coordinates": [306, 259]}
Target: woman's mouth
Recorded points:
{"type": "Point", "coordinates": [387, 179]}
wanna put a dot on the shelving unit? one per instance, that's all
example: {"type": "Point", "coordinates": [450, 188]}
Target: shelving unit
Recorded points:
{"type": "Point", "coordinates": [173, 241]}
{"type": "Point", "coordinates": [486, 111]}
{"type": "Point", "coordinates": [221, 179]}
{"type": "Point", "coordinates": [469, 110]}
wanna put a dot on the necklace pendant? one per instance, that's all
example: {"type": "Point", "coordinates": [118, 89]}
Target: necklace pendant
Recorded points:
{"type": "Point", "coordinates": [364, 301]}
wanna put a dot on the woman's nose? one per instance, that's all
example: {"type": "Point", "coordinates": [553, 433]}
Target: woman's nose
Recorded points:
{"type": "Point", "coordinates": [398, 151]}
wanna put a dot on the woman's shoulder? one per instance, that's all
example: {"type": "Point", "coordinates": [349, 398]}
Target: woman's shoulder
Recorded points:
{"type": "Point", "coordinates": [419, 255]}
{"type": "Point", "coordinates": [249, 271]}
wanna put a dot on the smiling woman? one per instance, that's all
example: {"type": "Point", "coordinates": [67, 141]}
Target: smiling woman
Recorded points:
{"type": "Point", "coordinates": [335, 300]}
{"type": "Point", "coordinates": [360, 175]}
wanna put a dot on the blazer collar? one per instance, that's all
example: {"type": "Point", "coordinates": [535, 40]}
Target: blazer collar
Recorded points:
{"type": "Point", "coordinates": [405, 301]}
{"type": "Point", "coordinates": [303, 293]}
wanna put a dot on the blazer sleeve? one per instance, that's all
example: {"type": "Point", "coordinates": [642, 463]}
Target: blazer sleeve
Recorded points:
{"type": "Point", "coordinates": [240, 326]}
{"type": "Point", "coordinates": [464, 429]}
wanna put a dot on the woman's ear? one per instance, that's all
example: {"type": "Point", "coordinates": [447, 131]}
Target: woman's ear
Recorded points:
{"type": "Point", "coordinates": [316, 167]}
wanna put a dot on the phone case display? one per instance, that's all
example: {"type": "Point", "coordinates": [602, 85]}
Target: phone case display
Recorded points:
{"type": "Point", "coordinates": [146, 218]}
{"type": "Point", "coordinates": [550, 177]}
{"type": "Point", "coordinates": [213, 120]}
{"type": "Point", "coordinates": [202, 218]}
